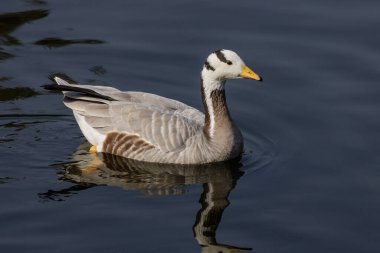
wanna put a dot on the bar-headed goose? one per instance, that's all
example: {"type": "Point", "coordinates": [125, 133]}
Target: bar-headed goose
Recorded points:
{"type": "Point", "coordinates": [151, 128]}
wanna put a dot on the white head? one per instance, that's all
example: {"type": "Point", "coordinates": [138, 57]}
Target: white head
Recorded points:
{"type": "Point", "coordinates": [218, 67]}
{"type": "Point", "coordinates": [226, 64]}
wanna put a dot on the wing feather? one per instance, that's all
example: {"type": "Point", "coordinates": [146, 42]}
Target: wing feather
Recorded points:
{"type": "Point", "coordinates": [165, 123]}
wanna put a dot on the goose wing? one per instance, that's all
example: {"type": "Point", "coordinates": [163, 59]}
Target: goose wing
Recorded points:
{"type": "Point", "coordinates": [163, 122]}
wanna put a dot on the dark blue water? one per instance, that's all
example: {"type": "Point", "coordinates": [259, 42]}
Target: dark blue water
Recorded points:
{"type": "Point", "coordinates": [309, 180]}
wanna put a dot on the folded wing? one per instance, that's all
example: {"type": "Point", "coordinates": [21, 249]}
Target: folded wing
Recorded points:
{"type": "Point", "coordinates": [165, 123]}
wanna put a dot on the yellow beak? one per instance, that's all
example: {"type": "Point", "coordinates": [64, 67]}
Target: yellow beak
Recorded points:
{"type": "Point", "coordinates": [248, 73]}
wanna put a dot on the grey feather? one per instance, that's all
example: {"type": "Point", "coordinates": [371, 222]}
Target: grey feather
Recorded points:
{"type": "Point", "coordinates": [142, 126]}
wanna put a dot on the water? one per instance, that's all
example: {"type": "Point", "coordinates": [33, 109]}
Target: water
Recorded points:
{"type": "Point", "coordinates": [309, 180]}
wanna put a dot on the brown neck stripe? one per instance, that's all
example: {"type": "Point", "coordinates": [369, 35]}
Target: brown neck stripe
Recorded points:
{"type": "Point", "coordinates": [219, 106]}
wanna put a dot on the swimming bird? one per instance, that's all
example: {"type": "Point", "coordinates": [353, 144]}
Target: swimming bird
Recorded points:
{"type": "Point", "coordinates": [152, 128]}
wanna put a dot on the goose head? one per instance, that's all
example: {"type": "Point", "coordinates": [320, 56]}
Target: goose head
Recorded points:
{"type": "Point", "coordinates": [226, 64]}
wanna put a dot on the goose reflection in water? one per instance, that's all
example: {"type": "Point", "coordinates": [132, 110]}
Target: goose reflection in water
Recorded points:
{"type": "Point", "coordinates": [87, 170]}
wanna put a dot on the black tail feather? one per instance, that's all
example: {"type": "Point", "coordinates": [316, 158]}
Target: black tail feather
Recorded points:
{"type": "Point", "coordinates": [77, 89]}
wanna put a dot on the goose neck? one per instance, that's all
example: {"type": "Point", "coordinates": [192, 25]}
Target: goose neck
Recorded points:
{"type": "Point", "coordinates": [215, 104]}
